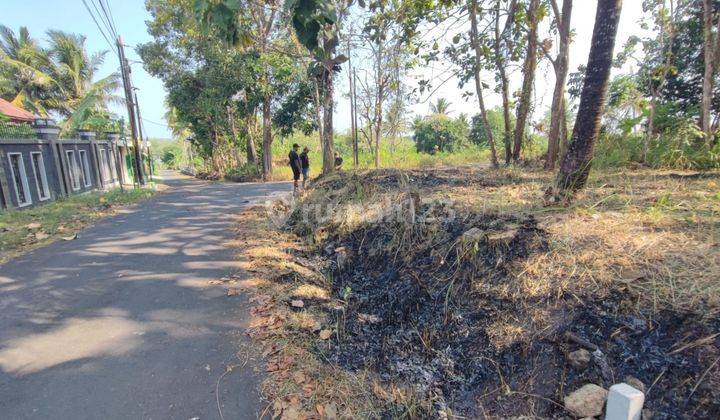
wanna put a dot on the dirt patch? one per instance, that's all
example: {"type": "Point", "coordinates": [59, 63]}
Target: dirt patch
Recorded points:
{"type": "Point", "coordinates": [437, 307]}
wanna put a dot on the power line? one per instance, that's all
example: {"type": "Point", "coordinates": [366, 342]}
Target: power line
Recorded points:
{"type": "Point", "coordinates": [98, 25]}
{"type": "Point", "coordinates": [108, 14]}
{"type": "Point", "coordinates": [156, 123]}
{"type": "Point", "coordinates": [106, 21]}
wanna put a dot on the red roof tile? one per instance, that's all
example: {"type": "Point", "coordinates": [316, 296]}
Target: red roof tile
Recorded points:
{"type": "Point", "coordinates": [15, 113]}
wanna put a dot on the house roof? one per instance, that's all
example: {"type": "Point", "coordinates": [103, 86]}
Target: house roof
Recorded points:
{"type": "Point", "coordinates": [15, 113]}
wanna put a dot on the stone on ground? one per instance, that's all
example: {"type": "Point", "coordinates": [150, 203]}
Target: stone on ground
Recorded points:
{"type": "Point", "coordinates": [588, 401]}
{"type": "Point", "coordinates": [579, 359]}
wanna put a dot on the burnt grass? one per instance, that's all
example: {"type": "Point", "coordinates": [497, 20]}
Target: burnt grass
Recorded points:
{"type": "Point", "coordinates": [417, 307]}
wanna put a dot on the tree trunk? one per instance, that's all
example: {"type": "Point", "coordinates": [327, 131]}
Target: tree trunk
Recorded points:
{"type": "Point", "coordinates": [711, 47]}
{"type": "Point", "coordinates": [251, 122]}
{"type": "Point", "coordinates": [576, 164]}
{"type": "Point", "coordinates": [327, 135]}
{"type": "Point", "coordinates": [500, 65]}
{"type": "Point", "coordinates": [379, 96]}
{"type": "Point", "coordinates": [356, 146]}
{"type": "Point", "coordinates": [478, 82]}
{"type": "Point", "coordinates": [561, 70]}
{"type": "Point", "coordinates": [267, 139]}
{"type": "Point", "coordinates": [353, 121]}
{"type": "Point", "coordinates": [528, 79]}
{"type": "Point", "coordinates": [563, 147]}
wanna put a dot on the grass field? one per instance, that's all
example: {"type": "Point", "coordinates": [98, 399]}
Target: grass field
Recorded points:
{"type": "Point", "coordinates": [23, 230]}
{"type": "Point", "coordinates": [397, 153]}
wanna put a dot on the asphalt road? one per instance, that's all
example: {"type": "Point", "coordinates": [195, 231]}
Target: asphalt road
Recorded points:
{"type": "Point", "coordinates": [123, 323]}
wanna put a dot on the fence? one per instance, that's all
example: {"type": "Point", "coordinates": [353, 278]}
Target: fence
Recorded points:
{"type": "Point", "coordinates": [36, 166]}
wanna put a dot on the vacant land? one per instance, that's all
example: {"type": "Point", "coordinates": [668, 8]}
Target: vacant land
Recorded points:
{"type": "Point", "coordinates": [23, 230]}
{"type": "Point", "coordinates": [459, 292]}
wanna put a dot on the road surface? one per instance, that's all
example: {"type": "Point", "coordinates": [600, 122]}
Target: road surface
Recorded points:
{"type": "Point", "coordinates": [123, 323]}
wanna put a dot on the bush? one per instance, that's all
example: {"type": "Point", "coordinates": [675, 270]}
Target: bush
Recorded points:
{"type": "Point", "coordinates": [478, 134]}
{"type": "Point", "coordinates": [680, 146]}
{"type": "Point", "coordinates": [439, 132]}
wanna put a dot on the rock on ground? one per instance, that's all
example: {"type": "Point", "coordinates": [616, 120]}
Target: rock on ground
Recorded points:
{"type": "Point", "coordinates": [579, 359]}
{"type": "Point", "coordinates": [588, 401]}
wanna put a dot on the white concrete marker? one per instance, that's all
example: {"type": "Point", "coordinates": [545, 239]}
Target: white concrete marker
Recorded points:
{"type": "Point", "coordinates": [624, 403]}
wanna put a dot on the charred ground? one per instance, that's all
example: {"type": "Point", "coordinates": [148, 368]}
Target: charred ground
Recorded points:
{"type": "Point", "coordinates": [455, 293]}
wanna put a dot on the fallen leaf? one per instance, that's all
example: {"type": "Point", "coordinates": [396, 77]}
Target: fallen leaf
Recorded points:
{"type": "Point", "coordinates": [41, 235]}
{"type": "Point", "coordinates": [325, 334]}
{"type": "Point", "coordinates": [297, 303]}
{"type": "Point", "coordinates": [33, 226]}
{"type": "Point", "coordinates": [233, 291]}
{"type": "Point", "coordinates": [299, 377]}
{"type": "Point", "coordinates": [331, 411]}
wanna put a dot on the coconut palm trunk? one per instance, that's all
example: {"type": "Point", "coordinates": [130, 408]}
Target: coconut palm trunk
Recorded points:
{"type": "Point", "coordinates": [576, 164]}
{"type": "Point", "coordinates": [711, 57]}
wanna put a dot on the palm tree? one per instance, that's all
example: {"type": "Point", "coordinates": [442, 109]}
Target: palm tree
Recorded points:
{"type": "Point", "coordinates": [441, 107]}
{"type": "Point", "coordinates": [58, 79]}
{"type": "Point", "coordinates": [25, 71]}
{"type": "Point", "coordinates": [576, 164]}
{"type": "Point", "coordinates": [75, 70]}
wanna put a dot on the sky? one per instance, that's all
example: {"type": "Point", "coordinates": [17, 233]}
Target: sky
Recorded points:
{"type": "Point", "coordinates": [130, 16]}
{"type": "Point", "coordinates": [71, 16]}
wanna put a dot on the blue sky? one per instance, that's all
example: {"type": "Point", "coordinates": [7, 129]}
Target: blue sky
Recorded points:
{"type": "Point", "coordinates": [71, 16]}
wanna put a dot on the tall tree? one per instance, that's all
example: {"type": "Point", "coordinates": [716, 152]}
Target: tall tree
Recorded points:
{"type": "Point", "coordinates": [503, 49]}
{"type": "Point", "coordinates": [58, 79]}
{"type": "Point", "coordinates": [560, 65]}
{"type": "Point", "coordinates": [473, 8]}
{"type": "Point", "coordinates": [440, 106]}
{"type": "Point", "coordinates": [250, 26]}
{"type": "Point", "coordinates": [316, 24]}
{"type": "Point", "coordinates": [576, 164]}
{"type": "Point", "coordinates": [533, 19]}
{"type": "Point", "coordinates": [711, 59]}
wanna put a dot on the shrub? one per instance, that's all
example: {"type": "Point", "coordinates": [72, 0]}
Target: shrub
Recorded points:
{"type": "Point", "coordinates": [440, 132]}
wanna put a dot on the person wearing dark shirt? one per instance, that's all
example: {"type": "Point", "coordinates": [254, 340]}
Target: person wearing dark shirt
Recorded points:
{"type": "Point", "coordinates": [305, 163]}
{"type": "Point", "coordinates": [295, 165]}
{"type": "Point", "coordinates": [338, 161]}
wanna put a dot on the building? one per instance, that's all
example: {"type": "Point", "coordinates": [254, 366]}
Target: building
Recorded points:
{"type": "Point", "coordinates": [15, 114]}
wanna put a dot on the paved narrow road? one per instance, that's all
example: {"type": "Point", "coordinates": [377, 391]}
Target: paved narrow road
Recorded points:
{"type": "Point", "coordinates": [122, 323]}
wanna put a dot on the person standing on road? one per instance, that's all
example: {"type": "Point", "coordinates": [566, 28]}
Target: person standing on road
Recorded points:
{"type": "Point", "coordinates": [295, 165]}
{"type": "Point", "coordinates": [338, 161]}
{"type": "Point", "coordinates": [305, 163]}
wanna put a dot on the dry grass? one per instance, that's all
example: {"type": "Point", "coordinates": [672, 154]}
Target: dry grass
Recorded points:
{"type": "Point", "coordinates": [652, 235]}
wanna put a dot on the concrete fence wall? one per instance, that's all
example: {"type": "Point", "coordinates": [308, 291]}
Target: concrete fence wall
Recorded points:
{"type": "Point", "coordinates": [34, 171]}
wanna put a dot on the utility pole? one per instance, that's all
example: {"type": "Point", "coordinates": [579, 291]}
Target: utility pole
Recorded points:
{"type": "Point", "coordinates": [143, 137]}
{"type": "Point", "coordinates": [127, 87]}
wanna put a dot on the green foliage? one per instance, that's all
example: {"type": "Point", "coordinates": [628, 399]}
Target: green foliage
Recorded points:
{"type": "Point", "coordinates": [679, 147]}
{"type": "Point", "coordinates": [478, 133]}
{"type": "Point", "coordinates": [100, 121]}
{"type": "Point", "coordinates": [15, 131]}
{"type": "Point", "coordinates": [58, 79]}
{"type": "Point", "coordinates": [441, 133]}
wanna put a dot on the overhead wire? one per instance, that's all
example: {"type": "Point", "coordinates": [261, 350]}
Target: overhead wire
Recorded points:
{"type": "Point", "coordinates": [112, 46]}
{"type": "Point", "coordinates": [105, 21]}
{"type": "Point", "coordinates": [108, 14]}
